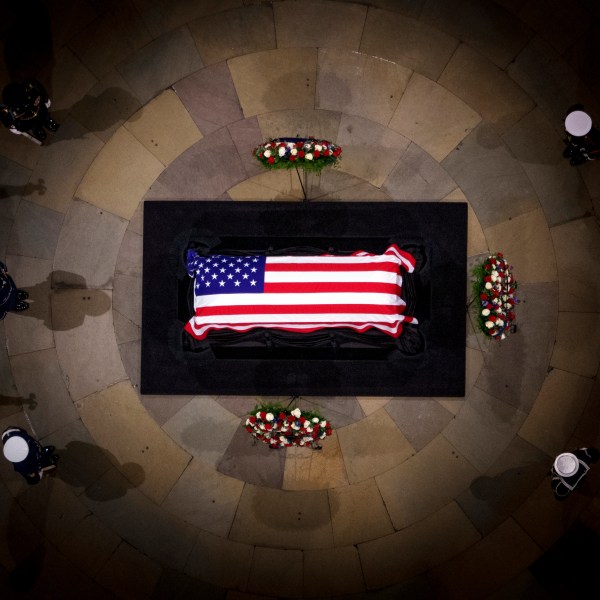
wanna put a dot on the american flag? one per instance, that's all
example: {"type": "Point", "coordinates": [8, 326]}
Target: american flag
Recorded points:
{"type": "Point", "coordinates": [299, 293]}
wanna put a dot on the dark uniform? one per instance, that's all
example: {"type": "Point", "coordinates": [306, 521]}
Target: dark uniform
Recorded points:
{"type": "Point", "coordinates": [583, 144]}
{"type": "Point", "coordinates": [11, 298]}
{"type": "Point", "coordinates": [24, 110]}
{"type": "Point", "coordinates": [38, 459]}
{"type": "Point", "coordinates": [562, 486]}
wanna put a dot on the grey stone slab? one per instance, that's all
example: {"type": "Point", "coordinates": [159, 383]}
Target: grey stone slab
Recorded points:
{"type": "Point", "coordinates": [106, 106]}
{"type": "Point", "coordinates": [35, 232]}
{"type": "Point", "coordinates": [268, 560]}
{"type": "Point", "coordinates": [10, 401]}
{"type": "Point", "coordinates": [559, 187]}
{"type": "Point", "coordinates": [38, 377]}
{"type": "Point", "coordinates": [110, 38]}
{"type": "Point", "coordinates": [486, 27]}
{"type": "Point", "coordinates": [161, 63]}
{"type": "Point", "coordinates": [13, 178]}
{"type": "Point", "coordinates": [419, 421]}
{"type": "Point", "coordinates": [309, 23]}
{"type": "Point", "coordinates": [239, 405]}
{"type": "Point", "coordinates": [283, 519]}
{"type": "Point", "coordinates": [87, 352]}
{"type": "Point", "coordinates": [210, 97]}
{"type": "Point", "coordinates": [88, 247]}
{"type": "Point", "coordinates": [493, 181]}
{"type": "Point", "coordinates": [235, 32]}
{"type": "Point", "coordinates": [125, 329]}
{"type": "Point", "coordinates": [340, 410]}
{"type": "Point", "coordinates": [253, 461]}
{"type": "Point", "coordinates": [127, 297]}
{"type": "Point", "coordinates": [330, 183]}
{"type": "Point", "coordinates": [129, 260]}
{"type": "Point", "coordinates": [6, 226]}
{"type": "Point", "coordinates": [493, 496]}
{"type": "Point", "coordinates": [163, 408]}
{"type": "Point", "coordinates": [408, 42]}
{"type": "Point", "coordinates": [246, 136]}
{"type": "Point", "coordinates": [131, 356]}
{"type": "Point", "coordinates": [483, 428]}
{"type": "Point", "coordinates": [417, 176]}
{"type": "Point", "coordinates": [168, 540]}
{"type": "Point", "coordinates": [198, 172]}
{"type": "Point", "coordinates": [333, 572]}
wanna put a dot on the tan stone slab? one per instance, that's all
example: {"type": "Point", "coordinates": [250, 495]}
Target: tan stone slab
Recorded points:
{"type": "Point", "coordinates": [118, 422]}
{"type": "Point", "coordinates": [358, 514]}
{"type": "Point", "coordinates": [372, 404]}
{"type": "Point", "coordinates": [267, 561]}
{"type": "Point", "coordinates": [275, 80]}
{"type": "Point", "coordinates": [556, 411]}
{"type": "Point", "coordinates": [526, 243]}
{"type": "Point", "coordinates": [433, 117]}
{"type": "Point", "coordinates": [332, 572]}
{"type": "Point", "coordinates": [310, 22]}
{"type": "Point", "coordinates": [369, 150]}
{"type": "Point", "coordinates": [18, 149]}
{"type": "Point", "coordinates": [577, 247]}
{"type": "Point", "coordinates": [476, 242]}
{"type": "Point", "coordinates": [234, 32]}
{"type": "Point", "coordinates": [120, 175]}
{"type": "Point", "coordinates": [307, 469]}
{"type": "Point", "coordinates": [30, 330]}
{"type": "Point", "coordinates": [205, 498]}
{"type": "Point", "coordinates": [373, 446]}
{"type": "Point", "coordinates": [164, 127]}
{"type": "Point", "coordinates": [250, 191]}
{"type": "Point", "coordinates": [283, 519]}
{"type": "Point", "coordinates": [487, 565]}
{"type": "Point", "coordinates": [358, 84]}
{"type": "Point", "coordinates": [577, 346]}
{"type": "Point", "coordinates": [323, 124]}
{"type": "Point", "coordinates": [219, 561]}
{"type": "Point", "coordinates": [204, 428]}
{"type": "Point", "coordinates": [425, 483]}
{"type": "Point", "coordinates": [486, 88]}
{"type": "Point", "coordinates": [407, 42]}
{"type": "Point", "coordinates": [129, 573]}
{"type": "Point", "coordinates": [474, 364]}
{"type": "Point", "coordinates": [361, 192]}
{"type": "Point", "coordinates": [402, 555]}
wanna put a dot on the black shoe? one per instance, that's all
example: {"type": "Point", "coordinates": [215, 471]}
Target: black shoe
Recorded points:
{"type": "Point", "coordinates": [568, 151]}
{"type": "Point", "coordinates": [52, 125]}
{"type": "Point", "coordinates": [22, 295]}
{"type": "Point", "coordinates": [39, 134]}
{"type": "Point", "coordinates": [21, 306]}
{"type": "Point", "coordinates": [48, 449]}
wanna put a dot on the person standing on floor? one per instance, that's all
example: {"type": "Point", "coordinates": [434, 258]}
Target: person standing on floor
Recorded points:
{"type": "Point", "coordinates": [583, 139]}
{"type": "Point", "coordinates": [27, 455]}
{"type": "Point", "coordinates": [11, 298]}
{"type": "Point", "coordinates": [24, 110]}
{"type": "Point", "coordinates": [569, 470]}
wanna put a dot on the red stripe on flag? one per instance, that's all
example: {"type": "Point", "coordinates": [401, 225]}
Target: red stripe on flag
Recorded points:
{"type": "Point", "coordinates": [276, 309]}
{"type": "Point", "coordinates": [331, 287]}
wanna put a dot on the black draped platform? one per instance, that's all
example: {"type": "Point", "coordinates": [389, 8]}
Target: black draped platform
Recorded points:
{"type": "Point", "coordinates": [427, 360]}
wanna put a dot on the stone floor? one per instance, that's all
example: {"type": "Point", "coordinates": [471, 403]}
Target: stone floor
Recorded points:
{"type": "Point", "coordinates": [164, 497]}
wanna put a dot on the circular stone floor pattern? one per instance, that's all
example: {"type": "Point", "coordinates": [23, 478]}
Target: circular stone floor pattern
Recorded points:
{"type": "Point", "coordinates": [430, 100]}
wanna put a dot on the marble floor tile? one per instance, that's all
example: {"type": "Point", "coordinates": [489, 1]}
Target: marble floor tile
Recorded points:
{"type": "Point", "coordinates": [246, 136]}
{"type": "Point", "coordinates": [205, 498]}
{"type": "Point", "coordinates": [433, 117]}
{"type": "Point", "coordinates": [110, 38]}
{"type": "Point", "coordinates": [39, 378]}
{"type": "Point", "coordinates": [128, 573]}
{"type": "Point", "coordinates": [309, 23]}
{"type": "Point", "coordinates": [417, 176]}
{"type": "Point", "coordinates": [120, 175]}
{"type": "Point", "coordinates": [493, 181]}
{"type": "Point", "coordinates": [487, 28]}
{"type": "Point", "coordinates": [332, 572]}
{"type": "Point", "coordinates": [358, 514]}
{"type": "Point", "coordinates": [106, 106]}
{"type": "Point", "coordinates": [203, 428]}
{"type": "Point", "coordinates": [14, 178]}
{"type": "Point", "coordinates": [479, 565]}
{"type": "Point", "coordinates": [361, 192]}
{"type": "Point", "coordinates": [559, 187]}
{"type": "Point", "coordinates": [408, 42]}
{"type": "Point", "coordinates": [220, 561]}
{"type": "Point", "coordinates": [557, 410]}
{"type": "Point", "coordinates": [396, 558]}
{"type": "Point", "coordinates": [370, 151]}
{"type": "Point", "coordinates": [235, 32]}
{"type": "Point", "coordinates": [127, 297]}
{"type": "Point", "coordinates": [373, 446]}
{"type": "Point", "coordinates": [323, 124]}
{"type": "Point", "coordinates": [485, 88]}
{"type": "Point", "coordinates": [35, 231]}
{"type": "Point", "coordinates": [129, 259]}
{"type": "Point", "coordinates": [10, 401]}
{"type": "Point", "coordinates": [19, 150]}
{"type": "Point", "coordinates": [358, 84]}
{"type": "Point", "coordinates": [577, 246]}
{"type": "Point", "coordinates": [164, 127]}
{"type": "Point", "coordinates": [131, 353]}
{"type": "Point", "coordinates": [577, 347]}
{"type": "Point", "coordinates": [307, 469]}
{"type": "Point", "coordinates": [160, 64]}
{"type": "Point", "coordinates": [241, 406]}
{"type": "Point", "coordinates": [587, 428]}
{"type": "Point", "coordinates": [162, 408]}
{"type": "Point", "coordinates": [265, 562]}
{"type": "Point", "coordinates": [279, 186]}
{"type": "Point", "coordinates": [282, 519]}
{"type": "Point", "coordinates": [425, 483]}
{"type": "Point", "coordinates": [339, 410]}
{"type": "Point", "coordinates": [110, 415]}
{"type": "Point", "coordinates": [293, 87]}
{"type": "Point", "coordinates": [370, 405]}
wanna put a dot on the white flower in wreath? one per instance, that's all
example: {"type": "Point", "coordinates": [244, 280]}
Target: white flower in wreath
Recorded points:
{"type": "Point", "coordinates": [318, 147]}
{"type": "Point", "coordinates": [291, 145]}
{"type": "Point", "coordinates": [309, 429]}
{"type": "Point", "coordinates": [503, 336]}
{"type": "Point", "coordinates": [315, 419]}
{"type": "Point", "coordinates": [267, 153]}
{"type": "Point", "coordinates": [282, 151]}
{"type": "Point", "coordinates": [308, 156]}
{"type": "Point", "coordinates": [485, 312]}
{"type": "Point", "coordinates": [499, 322]}
{"type": "Point", "coordinates": [323, 423]}
{"type": "Point", "coordinates": [293, 151]}
{"type": "Point", "coordinates": [489, 324]}
{"type": "Point", "coordinates": [307, 439]}
{"type": "Point", "coordinates": [297, 413]}
{"type": "Point", "coordinates": [505, 297]}
{"type": "Point", "coordinates": [295, 426]}
{"type": "Point", "coordinates": [270, 416]}
{"type": "Point", "coordinates": [488, 286]}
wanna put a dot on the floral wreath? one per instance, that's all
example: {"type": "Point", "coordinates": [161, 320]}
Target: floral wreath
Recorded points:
{"type": "Point", "coordinates": [281, 427]}
{"type": "Point", "coordinates": [495, 287]}
{"type": "Point", "coordinates": [305, 153]}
